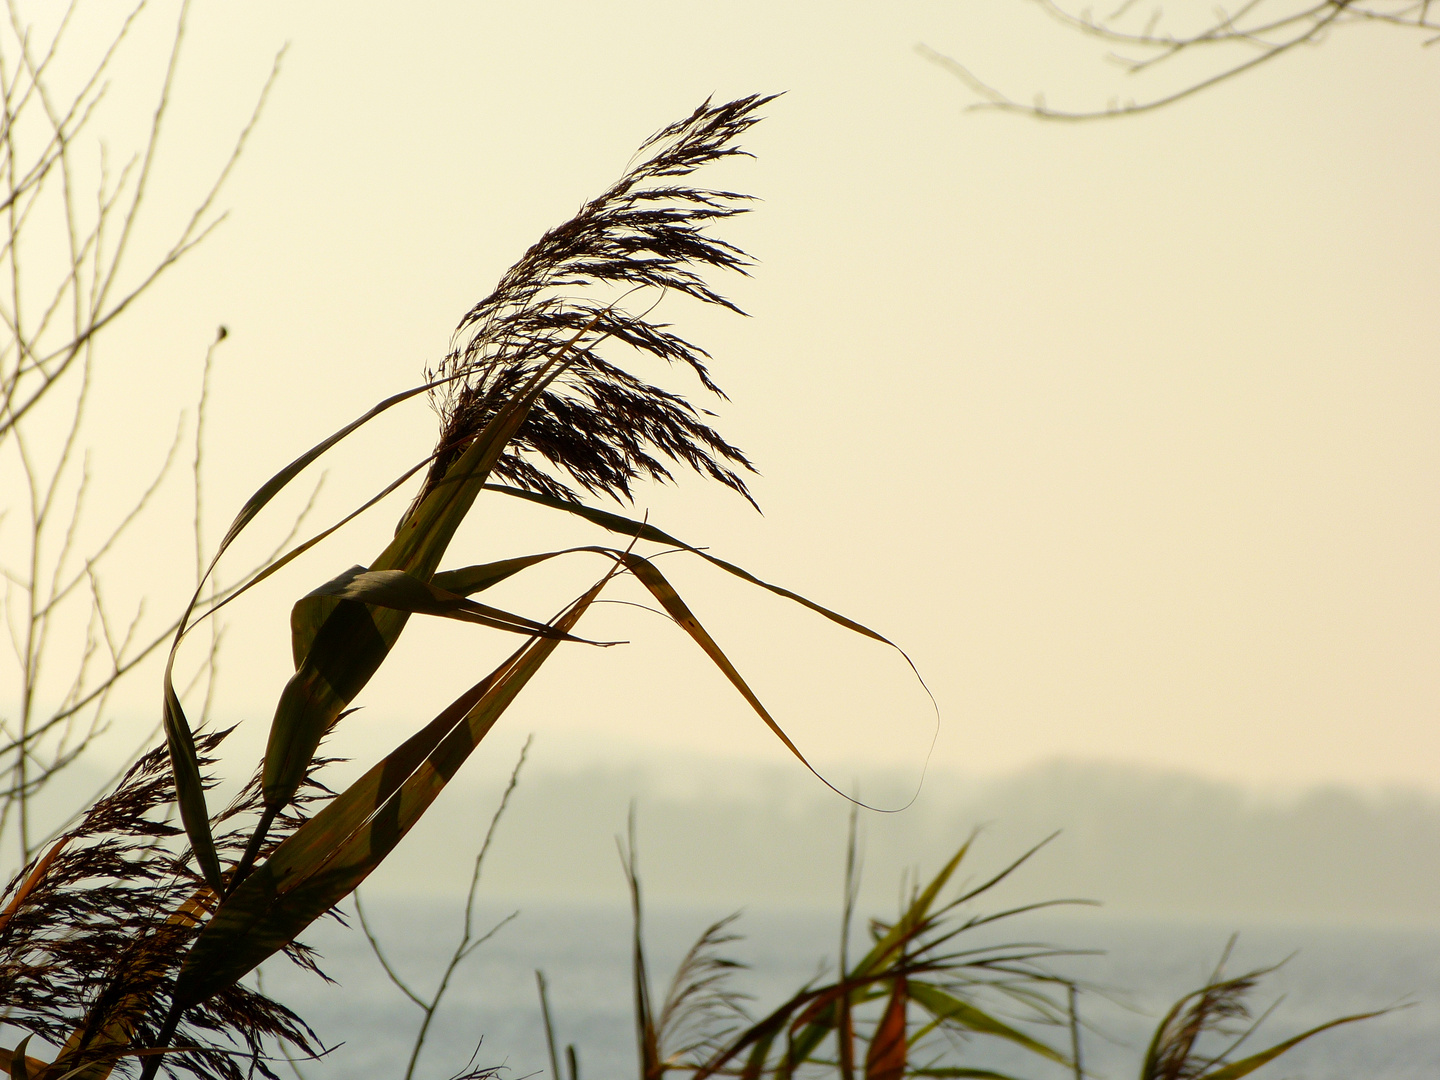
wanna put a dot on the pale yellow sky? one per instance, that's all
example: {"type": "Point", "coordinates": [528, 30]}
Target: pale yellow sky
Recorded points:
{"type": "Point", "coordinates": [1129, 433]}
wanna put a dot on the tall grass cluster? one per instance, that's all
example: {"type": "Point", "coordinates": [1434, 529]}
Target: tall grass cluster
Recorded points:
{"type": "Point", "coordinates": [127, 941]}
{"type": "Point", "coordinates": [531, 406]}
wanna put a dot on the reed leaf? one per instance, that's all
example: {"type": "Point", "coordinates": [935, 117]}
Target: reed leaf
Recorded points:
{"type": "Point", "coordinates": [19, 1064]}
{"type": "Point", "coordinates": [310, 612]}
{"type": "Point", "coordinates": [886, 1058]}
{"type": "Point", "coordinates": [948, 1009]}
{"type": "Point", "coordinates": [1174, 1051]}
{"type": "Point", "coordinates": [355, 638]}
{"type": "Point", "coordinates": [1245, 1067]}
{"type": "Point", "coordinates": [618, 523]}
{"type": "Point", "coordinates": [905, 960]}
{"type": "Point", "coordinates": [527, 381]}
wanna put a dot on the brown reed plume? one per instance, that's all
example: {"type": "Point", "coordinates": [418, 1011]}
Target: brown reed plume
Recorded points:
{"type": "Point", "coordinates": [526, 396]}
{"type": "Point", "coordinates": [602, 425]}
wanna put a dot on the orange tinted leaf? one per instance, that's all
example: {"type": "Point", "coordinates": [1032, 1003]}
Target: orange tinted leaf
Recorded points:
{"type": "Point", "coordinates": [887, 1055]}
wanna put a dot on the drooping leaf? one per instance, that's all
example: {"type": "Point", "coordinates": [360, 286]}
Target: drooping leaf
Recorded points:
{"type": "Point", "coordinates": [660, 588]}
{"type": "Point", "coordinates": [1245, 1067]}
{"type": "Point", "coordinates": [629, 527]}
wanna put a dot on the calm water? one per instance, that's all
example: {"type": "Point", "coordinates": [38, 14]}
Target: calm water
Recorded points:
{"type": "Point", "coordinates": [584, 953]}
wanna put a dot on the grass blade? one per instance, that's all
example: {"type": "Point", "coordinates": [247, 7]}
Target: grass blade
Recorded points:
{"type": "Point", "coordinates": [617, 523]}
{"type": "Point", "coordinates": [19, 1063]}
{"type": "Point", "coordinates": [886, 1057]}
{"type": "Point", "coordinates": [189, 784]}
{"type": "Point", "coordinates": [549, 1028]}
{"type": "Point", "coordinates": [189, 787]}
{"type": "Point", "coordinates": [1245, 1067]}
{"type": "Point", "coordinates": [948, 1009]}
{"type": "Point", "coordinates": [660, 588]}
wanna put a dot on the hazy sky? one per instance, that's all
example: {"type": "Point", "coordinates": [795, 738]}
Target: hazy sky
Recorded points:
{"type": "Point", "coordinates": [1128, 432]}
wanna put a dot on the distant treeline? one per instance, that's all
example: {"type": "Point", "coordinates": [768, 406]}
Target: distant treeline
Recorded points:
{"type": "Point", "coordinates": [1145, 842]}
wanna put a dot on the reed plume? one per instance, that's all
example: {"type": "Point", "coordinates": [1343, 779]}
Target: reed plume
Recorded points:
{"type": "Point", "coordinates": [602, 425]}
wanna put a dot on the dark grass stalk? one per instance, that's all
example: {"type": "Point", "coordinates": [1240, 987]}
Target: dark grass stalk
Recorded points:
{"type": "Point", "coordinates": [549, 1026]}
{"type": "Point", "coordinates": [572, 1056]}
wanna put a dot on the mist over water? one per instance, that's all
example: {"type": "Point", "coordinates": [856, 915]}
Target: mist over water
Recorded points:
{"type": "Point", "coordinates": [1143, 842]}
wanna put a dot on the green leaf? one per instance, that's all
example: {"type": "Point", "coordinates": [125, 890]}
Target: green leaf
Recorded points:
{"type": "Point", "coordinates": [871, 969]}
{"type": "Point", "coordinates": [948, 1009]}
{"type": "Point", "coordinates": [19, 1065]}
{"type": "Point", "coordinates": [890, 946]}
{"type": "Point", "coordinates": [333, 852]}
{"type": "Point", "coordinates": [1237, 1069]}
{"type": "Point", "coordinates": [189, 785]}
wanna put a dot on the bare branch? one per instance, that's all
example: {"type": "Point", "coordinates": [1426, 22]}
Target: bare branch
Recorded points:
{"type": "Point", "coordinates": [1262, 30]}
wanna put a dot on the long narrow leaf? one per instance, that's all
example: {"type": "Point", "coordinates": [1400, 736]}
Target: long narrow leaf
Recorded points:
{"type": "Point", "coordinates": [660, 588]}
{"type": "Point", "coordinates": [885, 950]}
{"type": "Point", "coordinates": [189, 784]}
{"type": "Point", "coordinates": [19, 1063]}
{"type": "Point", "coordinates": [887, 1054]}
{"type": "Point", "coordinates": [617, 523]}
{"type": "Point", "coordinates": [1237, 1069]}
{"type": "Point", "coordinates": [948, 1009]}
{"type": "Point", "coordinates": [878, 964]}
{"type": "Point", "coordinates": [310, 612]}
